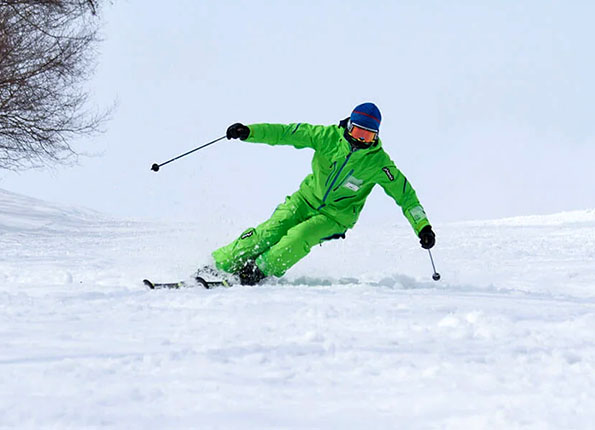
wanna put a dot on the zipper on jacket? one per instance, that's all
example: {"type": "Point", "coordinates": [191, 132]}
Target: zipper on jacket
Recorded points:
{"type": "Point", "coordinates": [335, 179]}
{"type": "Point", "coordinates": [334, 166]}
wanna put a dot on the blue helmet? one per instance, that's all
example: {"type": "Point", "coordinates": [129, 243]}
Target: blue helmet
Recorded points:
{"type": "Point", "coordinates": [366, 115]}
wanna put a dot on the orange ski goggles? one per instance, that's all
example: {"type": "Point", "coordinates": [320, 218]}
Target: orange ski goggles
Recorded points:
{"type": "Point", "coordinates": [362, 134]}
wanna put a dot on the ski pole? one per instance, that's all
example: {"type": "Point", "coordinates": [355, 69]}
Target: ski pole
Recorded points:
{"type": "Point", "coordinates": [436, 275]}
{"type": "Point", "coordinates": [155, 167]}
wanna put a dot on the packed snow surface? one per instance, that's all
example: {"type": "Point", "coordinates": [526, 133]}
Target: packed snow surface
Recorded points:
{"type": "Point", "coordinates": [357, 336]}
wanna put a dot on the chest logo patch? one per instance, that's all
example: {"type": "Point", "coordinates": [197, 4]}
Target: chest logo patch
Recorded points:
{"type": "Point", "coordinates": [353, 183]}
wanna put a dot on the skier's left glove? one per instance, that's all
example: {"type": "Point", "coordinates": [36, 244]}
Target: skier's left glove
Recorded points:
{"type": "Point", "coordinates": [238, 131]}
{"type": "Point", "coordinates": [427, 238]}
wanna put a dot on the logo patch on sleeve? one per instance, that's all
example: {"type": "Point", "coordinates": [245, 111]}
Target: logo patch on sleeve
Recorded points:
{"type": "Point", "coordinates": [418, 213]}
{"type": "Point", "coordinates": [388, 173]}
{"type": "Point", "coordinates": [247, 234]}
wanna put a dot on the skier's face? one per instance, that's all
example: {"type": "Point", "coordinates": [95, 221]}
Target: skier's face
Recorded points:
{"type": "Point", "coordinates": [361, 134]}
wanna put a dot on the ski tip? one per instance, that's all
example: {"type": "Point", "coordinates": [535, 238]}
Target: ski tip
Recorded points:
{"type": "Point", "coordinates": [149, 284]}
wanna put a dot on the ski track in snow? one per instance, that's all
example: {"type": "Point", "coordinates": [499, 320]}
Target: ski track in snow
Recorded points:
{"type": "Point", "coordinates": [357, 336]}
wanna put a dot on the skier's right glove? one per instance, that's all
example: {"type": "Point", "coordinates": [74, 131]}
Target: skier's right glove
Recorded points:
{"type": "Point", "coordinates": [427, 238]}
{"type": "Point", "coordinates": [238, 131]}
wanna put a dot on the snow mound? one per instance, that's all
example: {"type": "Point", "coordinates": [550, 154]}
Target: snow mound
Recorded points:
{"type": "Point", "coordinates": [570, 217]}
{"type": "Point", "coordinates": [19, 212]}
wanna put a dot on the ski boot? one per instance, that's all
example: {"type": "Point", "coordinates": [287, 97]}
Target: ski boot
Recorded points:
{"type": "Point", "coordinates": [250, 274]}
{"type": "Point", "coordinates": [211, 274]}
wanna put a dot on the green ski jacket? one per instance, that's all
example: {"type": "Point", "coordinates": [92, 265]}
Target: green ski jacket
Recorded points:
{"type": "Point", "coordinates": [342, 178]}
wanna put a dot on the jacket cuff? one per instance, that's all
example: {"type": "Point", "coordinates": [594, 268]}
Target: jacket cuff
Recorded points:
{"type": "Point", "coordinates": [417, 218]}
{"type": "Point", "coordinates": [255, 135]}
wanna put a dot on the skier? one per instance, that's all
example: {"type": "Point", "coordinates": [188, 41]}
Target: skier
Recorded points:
{"type": "Point", "coordinates": [348, 161]}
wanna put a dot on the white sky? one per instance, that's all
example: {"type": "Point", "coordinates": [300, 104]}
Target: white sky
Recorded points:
{"type": "Point", "coordinates": [487, 106]}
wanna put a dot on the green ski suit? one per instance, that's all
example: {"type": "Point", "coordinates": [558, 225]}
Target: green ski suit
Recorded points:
{"type": "Point", "coordinates": [328, 202]}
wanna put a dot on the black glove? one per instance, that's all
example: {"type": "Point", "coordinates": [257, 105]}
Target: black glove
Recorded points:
{"type": "Point", "coordinates": [238, 131]}
{"type": "Point", "coordinates": [427, 237]}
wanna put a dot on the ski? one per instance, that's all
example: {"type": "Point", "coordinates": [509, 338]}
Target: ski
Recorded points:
{"type": "Point", "coordinates": [177, 285]}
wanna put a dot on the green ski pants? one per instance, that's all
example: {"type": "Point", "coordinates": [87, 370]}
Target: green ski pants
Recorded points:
{"type": "Point", "coordinates": [281, 241]}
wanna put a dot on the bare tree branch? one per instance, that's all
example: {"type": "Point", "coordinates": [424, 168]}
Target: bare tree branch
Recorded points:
{"type": "Point", "coordinates": [46, 53]}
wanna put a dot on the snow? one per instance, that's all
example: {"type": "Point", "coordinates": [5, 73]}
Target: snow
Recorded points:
{"type": "Point", "coordinates": [358, 335]}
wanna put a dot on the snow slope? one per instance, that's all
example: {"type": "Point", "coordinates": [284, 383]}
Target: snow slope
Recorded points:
{"type": "Point", "coordinates": [505, 340]}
